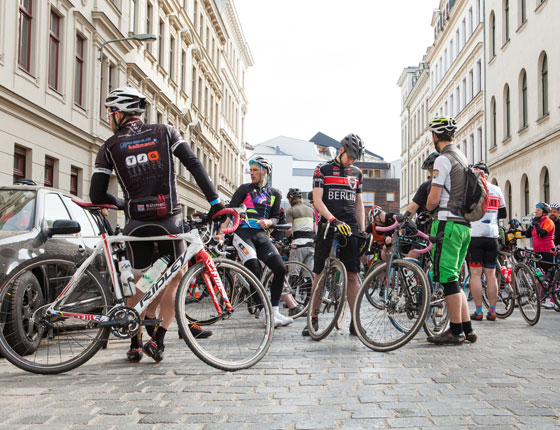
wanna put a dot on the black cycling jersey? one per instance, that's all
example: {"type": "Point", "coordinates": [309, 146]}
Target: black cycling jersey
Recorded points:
{"type": "Point", "coordinates": [261, 202]}
{"type": "Point", "coordinates": [421, 196]}
{"type": "Point", "coordinates": [141, 155]}
{"type": "Point", "coordinates": [340, 185]}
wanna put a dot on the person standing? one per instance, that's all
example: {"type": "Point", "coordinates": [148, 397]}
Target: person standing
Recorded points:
{"type": "Point", "coordinates": [482, 254]}
{"type": "Point", "coordinates": [448, 186]}
{"type": "Point", "coordinates": [554, 216]}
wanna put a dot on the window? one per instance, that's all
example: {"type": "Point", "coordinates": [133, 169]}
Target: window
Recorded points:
{"type": "Point", "coordinates": [525, 189]}
{"type": "Point", "coordinates": [506, 20]}
{"type": "Point", "coordinates": [206, 101]}
{"type": "Point", "coordinates": [522, 12]}
{"type": "Point", "coordinates": [507, 113]}
{"type": "Point", "coordinates": [480, 145]}
{"type": "Point", "coordinates": [464, 93]}
{"type": "Point", "coordinates": [195, 13]}
{"type": "Point", "coordinates": [25, 25]}
{"type": "Point", "coordinates": [452, 105]}
{"type": "Point", "coordinates": [49, 172]}
{"type": "Point", "coordinates": [508, 200]}
{"type": "Point", "coordinates": [193, 84]}
{"type": "Point", "coordinates": [492, 35]}
{"type": "Point", "coordinates": [183, 70]}
{"type": "Point", "coordinates": [199, 97]}
{"type": "Point", "coordinates": [171, 57]}
{"type": "Point", "coordinates": [471, 85]}
{"type": "Point", "coordinates": [463, 33]}
{"type": "Point", "coordinates": [545, 192]}
{"type": "Point", "coordinates": [457, 47]}
{"type": "Point", "coordinates": [458, 98]}
{"type": "Point", "coordinates": [74, 180]}
{"type": "Point", "coordinates": [160, 41]}
{"type": "Point", "coordinates": [390, 197]}
{"type": "Point", "coordinates": [54, 209]}
{"type": "Point", "coordinates": [523, 102]}
{"type": "Point", "coordinates": [87, 224]}
{"type": "Point", "coordinates": [544, 85]}
{"type": "Point", "coordinates": [19, 163]}
{"type": "Point", "coordinates": [472, 155]}
{"type": "Point", "coordinates": [470, 21]}
{"type": "Point", "coordinates": [54, 50]}
{"type": "Point", "coordinates": [79, 72]}
{"type": "Point", "coordinates": [478, 9]}
{"type": "Point", "coordinates": [493, 123]}
{"type": "Point", "coordinates": [478, 77]}
{"type": "Point", "coordinates": [149, 24]}
{"type": "Point", "coordinates": [368, 198]}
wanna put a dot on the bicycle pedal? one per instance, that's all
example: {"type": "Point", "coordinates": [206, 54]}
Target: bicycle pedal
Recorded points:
{"type": "Point", "coordinates": [151, 322]}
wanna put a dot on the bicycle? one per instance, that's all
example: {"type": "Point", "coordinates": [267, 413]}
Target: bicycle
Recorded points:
{"type": "Point", "coordinates": [401, 292]}
{"type": "Point", "coordinates": [69, 331]}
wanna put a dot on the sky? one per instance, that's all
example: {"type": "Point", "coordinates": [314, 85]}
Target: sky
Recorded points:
{"type": "Point", "coordinates": [331, 66]}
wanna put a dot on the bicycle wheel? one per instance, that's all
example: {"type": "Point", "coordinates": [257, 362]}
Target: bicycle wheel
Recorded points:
{"type": "Point", "coordinates": [437, 318]}
{"type": "Point", "coordinates": [505, 302]}
{"type": "Point", "coordinates": [239, 340]}
{"type": "Point", "coordinates": [298, 284]}
{"type": "Point", "coordinates": [199, 307]}
{"type": "Point", "coordinates": [527, 293]}
{"type": "Point", "coordinates": [327, 299]}
{"type": "Point", "coordinates": [46, 344]}
{"type": "Point", "coordinates": [406, 301]}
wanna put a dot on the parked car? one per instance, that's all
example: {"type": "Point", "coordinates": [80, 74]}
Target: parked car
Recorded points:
{"type": "Point", "coordinates": [26, 213]}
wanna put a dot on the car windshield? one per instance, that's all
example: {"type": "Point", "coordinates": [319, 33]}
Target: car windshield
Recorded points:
{"type": "Point", "coordinates": [17, 210]}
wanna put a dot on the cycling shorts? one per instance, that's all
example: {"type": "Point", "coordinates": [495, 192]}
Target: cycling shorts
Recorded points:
{"type": "Point", "coordinates": [349, 252]}
{"type": "Point", "coordinates": [450, 253]}
{"type": "Point", "coordinates": [143, 254]}
{"type": "Point", "coordinates": [251, 243]}
{"type": "Point", "coordinates": [483, 252]}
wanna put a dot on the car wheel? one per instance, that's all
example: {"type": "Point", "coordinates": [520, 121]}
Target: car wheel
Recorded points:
{"type": "Point", "coordinates": [24, 334]}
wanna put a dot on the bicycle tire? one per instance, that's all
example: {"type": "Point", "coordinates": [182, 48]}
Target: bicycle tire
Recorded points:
{"type": "Point", "coordinates": [299, 286]}
{"type": "Point", "coordinates": [369, 320]}
{"type": "Point", "coordinates": [61, 343]}
{"type": "Point", "coordinates": [527, 291]}
{"type": "Point", "coordinates": [340, 319]}
{"type": "Point", "coordinates": [253, 336]}
{"type": "Point", "coordinates": [505, 302]}
{"type": "Point", "coordinates": [437, 318]}
{"type": "Point", "coordinates": [328, 294]}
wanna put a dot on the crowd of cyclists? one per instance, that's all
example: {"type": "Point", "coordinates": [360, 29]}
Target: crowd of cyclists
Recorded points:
{"type": "Point", "coordinates": [141, 155]}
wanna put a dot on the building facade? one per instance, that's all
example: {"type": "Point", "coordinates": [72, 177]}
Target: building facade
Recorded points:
{"type": "Point", "coordinates": [53, 82]}
{"type": "Point", "coordinates": [522, 100]}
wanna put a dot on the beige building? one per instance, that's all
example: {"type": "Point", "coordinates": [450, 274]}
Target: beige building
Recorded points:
{"type": "Point", "coordinates": [522, 100]}
{"type": "Point", "coordinates": [53, 84]}
{"type": "Point", "coordinates": [448, 81]}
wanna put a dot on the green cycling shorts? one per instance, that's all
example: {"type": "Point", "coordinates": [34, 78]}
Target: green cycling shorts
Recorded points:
{"type": "Point", "coordinates": [450, 253]}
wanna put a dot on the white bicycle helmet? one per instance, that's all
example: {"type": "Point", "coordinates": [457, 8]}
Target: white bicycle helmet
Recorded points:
{"type": "Point", "coordinates": [126, 99]}
{"type": "Point", "coordinates": [263, 163]}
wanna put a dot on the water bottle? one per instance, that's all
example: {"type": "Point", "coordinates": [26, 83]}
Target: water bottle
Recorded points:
{"type": "Point", "coordinates": [152, 274]}
{"type": "Point", "coordinates": [539, 274]}
{"type": "Point", "coordinates": [127, 280]}
{"type": "Point", "coordinates": [506, 274]}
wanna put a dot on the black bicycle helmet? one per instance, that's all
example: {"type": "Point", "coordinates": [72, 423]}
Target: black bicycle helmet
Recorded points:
{"type": "Point", "coordinates": [353, 145]}
{"type": "Point", "coordinates": [481, 165]}
{"type": "Point", "coordinates": [514, 224]}
{"type": "Point", "coordinates": [294, 193]}
{"type": "Point", "coordinates": [428, 163]}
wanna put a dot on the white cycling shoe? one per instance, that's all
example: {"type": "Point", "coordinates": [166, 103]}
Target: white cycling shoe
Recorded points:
{"type": "Point", "coordinates": [279, 319]}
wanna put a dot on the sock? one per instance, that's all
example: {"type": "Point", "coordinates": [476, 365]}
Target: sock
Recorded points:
{"type": "Point", "coordinates": [478, 310]}
{"type": "Point", "coordinates": [150, 329]}
{"type": "Point", "coordinates": [136, 341]}
{"type": "Point", "coordinates": [275, 310]}
{"type": "Point", "coordinates": [492, 309]}
{"type": "Point", "coordinates": [159, 335]}
{"type": "Point", "coordinates": [456, 328]}
{"type": "Point", "coordinates": [467, 327]}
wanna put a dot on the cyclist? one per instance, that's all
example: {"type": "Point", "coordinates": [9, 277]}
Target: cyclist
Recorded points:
{"type": "Point", "coordinates": [542, 232]}
{"type": "Point", "coordinates": [448, 184]}
{"type": "Point", "coordinates": [251, 240]}
{"type": "Point", "coordinates": [302, 220]}
{"type": "Point", "coordinates": [337, 195]}
{"type": "Point", "coordinates": [378, 217]}
{"type": "Point", "coordinates": [141, 155]}
{"type": "Point", "coordinates": [418, 204]}
{"type": "Point", "coordinates": [554, 216]}
{"type": "Point", "coordinates": [482, 254]}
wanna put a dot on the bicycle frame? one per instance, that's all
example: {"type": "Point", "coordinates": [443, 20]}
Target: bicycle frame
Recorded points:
{"type": "Point", "coordinates": [194, 249]}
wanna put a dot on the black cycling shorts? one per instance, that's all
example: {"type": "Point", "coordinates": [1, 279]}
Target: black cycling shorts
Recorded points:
{"type": "Point", "coordinates": [142, 254]}
{"type": "Point", "coordinates": [349, 252]}
{"type": "Point", "coordinates": [483, 252]}
{"type": "Point", "coordinates": [251, 243]}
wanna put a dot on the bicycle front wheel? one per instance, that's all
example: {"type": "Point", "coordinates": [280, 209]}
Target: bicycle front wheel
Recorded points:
{"type": "Point", "coordinates": [327, 300]}
{"type": "Point", "coordinates": [406, 298]}
{"type": "Point", "coordinates": [239, 339]}
{"type": "Point", "coordinates": [41, 343]}
{"type": "Point", "coordinates": [527, 293]}
{"type": "Point", "coordinates": [505, 301]}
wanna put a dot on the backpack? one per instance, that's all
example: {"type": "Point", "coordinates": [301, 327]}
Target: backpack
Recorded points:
{"type": "Point", "coordinates": [476, 196]}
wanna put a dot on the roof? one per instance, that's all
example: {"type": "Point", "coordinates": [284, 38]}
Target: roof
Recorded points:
{"type": "Point", "coordinates": [321, 139]}
{"type": "Point", "coordinates": [299, 149]}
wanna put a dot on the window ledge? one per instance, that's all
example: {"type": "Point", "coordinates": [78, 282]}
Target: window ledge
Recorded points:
{"type": "Point", "coordinates": [523, 130]}
{"type": "Point", "coordinates": [20, 71]}
{"type": "Point", "coordinates": [55, 93]}
{"type": "Point", "coordinates": [493, 148]}
{"type": "Point", "coordinates": [506, 140]}
{"type": "Point", "coordinates": [162, 71]}
{"type": "Point", "coordinates": [492, 59]}
{"type": "Point", "coordinates": [521, 27]}
{"type": "Point", "coordinates": [540, 6]}
{"type": "Point", "coordinates": [543, 118]}
{"type": "Point", "coordinates": [506, 44]}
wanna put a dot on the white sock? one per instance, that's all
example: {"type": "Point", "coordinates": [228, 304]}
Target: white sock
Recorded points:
{"type": "Point", "coordinates": [276, 310]}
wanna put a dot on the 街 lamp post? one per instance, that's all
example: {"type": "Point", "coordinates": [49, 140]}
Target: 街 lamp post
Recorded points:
{"type": "Point", "coordinates": [139, 37]}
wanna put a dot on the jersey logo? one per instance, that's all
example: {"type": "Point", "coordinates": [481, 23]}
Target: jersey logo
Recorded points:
{"type": "Point", "coordinates": [353, 181]}
{"type": "Point", "coordinates": [336, 171]}
{"type": "Point", "coordinates": [131, 161]}
{"type": "Point", "coordinates": [435, 174]}
{"type": "Point", "coordinates": [142, 158]}
{"type": "Point", "coordinates": [153, 156]}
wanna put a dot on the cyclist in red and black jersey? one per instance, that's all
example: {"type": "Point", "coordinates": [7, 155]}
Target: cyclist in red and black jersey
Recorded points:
{"type": "Point", "coordinates": [142, 157]}
{"type": "Point", "coordinates": [337, 195]}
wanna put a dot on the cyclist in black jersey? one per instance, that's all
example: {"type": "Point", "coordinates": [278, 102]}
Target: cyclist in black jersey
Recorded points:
{"type": "Point", "coordinates": [251, 240]}
{"type": "Point", "coordinates": [142, 157]}
{"type": "Point", "coordinates": [337, 195]}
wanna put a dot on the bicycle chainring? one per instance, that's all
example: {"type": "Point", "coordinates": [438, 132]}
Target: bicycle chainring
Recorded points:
{"type": "Point", "coordinates": [126, 321]}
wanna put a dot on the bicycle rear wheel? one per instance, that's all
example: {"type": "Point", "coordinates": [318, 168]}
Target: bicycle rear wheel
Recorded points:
{"type": "Point", "coordinates": [406, 301]}
{"type": "Point", "coordinates": [505, 302]}
{"type": "Point", "coordinates": [47, 344]}
{"type": "Point", "coordinates": [527, 293]}
{"type": "Point", "coordinates": [327, 299]}
{"type": "Point", "coordinates": [239, 340]}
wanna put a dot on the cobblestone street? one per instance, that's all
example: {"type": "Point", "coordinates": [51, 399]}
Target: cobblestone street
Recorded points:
{"type": "Point", "coordinates": [509, 379]}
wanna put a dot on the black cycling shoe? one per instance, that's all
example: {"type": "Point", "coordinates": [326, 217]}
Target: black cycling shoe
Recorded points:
{"type": "Point", "coordinates": [447, 338]}
{"type": "Point", "coordinates": [134, 355]}
{"type": "Point", "coordinates": [198, 333]}
{"type": "Point", "coordinates": [352, 329]}
{"type": "Point", "coordinates": [315, 322]}
{"type": "Point", "coordinates": [471, 337]}
{"type": "Point", "coordinates": [152, 349]}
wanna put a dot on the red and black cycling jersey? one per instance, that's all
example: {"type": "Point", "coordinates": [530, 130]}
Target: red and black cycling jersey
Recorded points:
{"type": "Point", "coordinates": [141, 155]}
{"type": "Point", "coordinates": [261, 202]}
{"type": "Point", "coordinates": [340, 185]}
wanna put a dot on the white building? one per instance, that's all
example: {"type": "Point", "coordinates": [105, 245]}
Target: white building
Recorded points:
{"type": "Point", "coordinates": [53, 84]}
{"type": "Point", "coordinates": [523, 99]}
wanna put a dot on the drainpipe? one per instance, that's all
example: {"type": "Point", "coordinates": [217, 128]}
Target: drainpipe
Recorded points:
{"type": "Point", "coordinates": [483, 70]}
{"type": "Point", "coordinates": [408, 155]}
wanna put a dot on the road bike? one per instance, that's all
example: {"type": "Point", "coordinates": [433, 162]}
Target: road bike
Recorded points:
{"type": "Point", "coordinates": [67, 332]}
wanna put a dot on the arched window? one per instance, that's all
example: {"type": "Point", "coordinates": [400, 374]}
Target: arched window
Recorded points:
{"type": "Point", "coordinates": [493, 123]}
{"type": "Point", "coordinates": [545, 185]}
{"type": "Point", "coordinates": [525, 191]}
{"type": "Point", "coordinates": [523, 111]}
{"type": "Point", "coordinates": [507, 113]}
{"type": "Point", "coordinates": [543, 84]}
{"type": "Point", "coordinates": [506, 20]}
{"type": "Point", "coordinates": [492, 35]}
{"type": "Point", "coordinates": [522, 12]}
{"type": "Point", "coordinates": [508, 200]}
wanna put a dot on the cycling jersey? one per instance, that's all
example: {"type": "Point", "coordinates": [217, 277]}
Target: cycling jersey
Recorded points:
{"type": "Point", "coordinates": [545, 241]}
{"type": "Point", "coordinates": [340, 186]}
{"type": "Point", "coordinates": [141, 155]}
{"type": "Point", "coordinates": [261, 202]}
{"type": "Point", "coordinates": [449, 174]}
{"type": "Point", "coordinates": [301, 217]}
